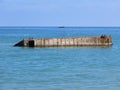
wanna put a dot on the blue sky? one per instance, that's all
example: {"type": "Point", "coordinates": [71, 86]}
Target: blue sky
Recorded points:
{"type": "Point", "coordinates": [59, 12]}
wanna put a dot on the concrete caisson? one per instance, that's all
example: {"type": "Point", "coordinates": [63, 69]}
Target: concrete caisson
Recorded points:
{"type": "Point", "coordinates": [67, 42]}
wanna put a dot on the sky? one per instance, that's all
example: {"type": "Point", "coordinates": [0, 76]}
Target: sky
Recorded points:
{"type": "Point", "coordinates": [60, 13]}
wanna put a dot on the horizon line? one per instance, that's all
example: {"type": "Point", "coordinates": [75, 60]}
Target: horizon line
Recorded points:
{"type": "Point", "coordinates": [61, 26]}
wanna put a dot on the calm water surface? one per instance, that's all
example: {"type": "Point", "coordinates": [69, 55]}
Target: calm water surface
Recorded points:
{"type": "Point", "coordinates": [58, 68]}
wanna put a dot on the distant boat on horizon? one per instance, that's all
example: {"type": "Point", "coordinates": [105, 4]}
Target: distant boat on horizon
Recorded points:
{"type": "Point", "coordinates": [61, 27]}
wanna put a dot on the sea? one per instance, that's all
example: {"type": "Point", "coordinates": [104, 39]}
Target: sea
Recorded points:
{"type": "Point", "coordinates": [60, 68]}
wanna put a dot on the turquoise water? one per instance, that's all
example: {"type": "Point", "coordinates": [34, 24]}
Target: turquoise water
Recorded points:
{"type": "Point", "coordinates": [58, 68]}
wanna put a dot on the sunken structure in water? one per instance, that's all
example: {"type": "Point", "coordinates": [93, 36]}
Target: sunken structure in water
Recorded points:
{"type": "Point", "coordinates": [67, 42]}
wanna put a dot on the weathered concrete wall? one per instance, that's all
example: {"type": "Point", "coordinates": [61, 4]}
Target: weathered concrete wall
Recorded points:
{"type": "Point", "coordinates": [59, 42]}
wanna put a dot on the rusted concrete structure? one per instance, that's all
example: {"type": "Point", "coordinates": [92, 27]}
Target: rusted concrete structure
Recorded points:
{"type": "Point", "coordinates": [67, 42]}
